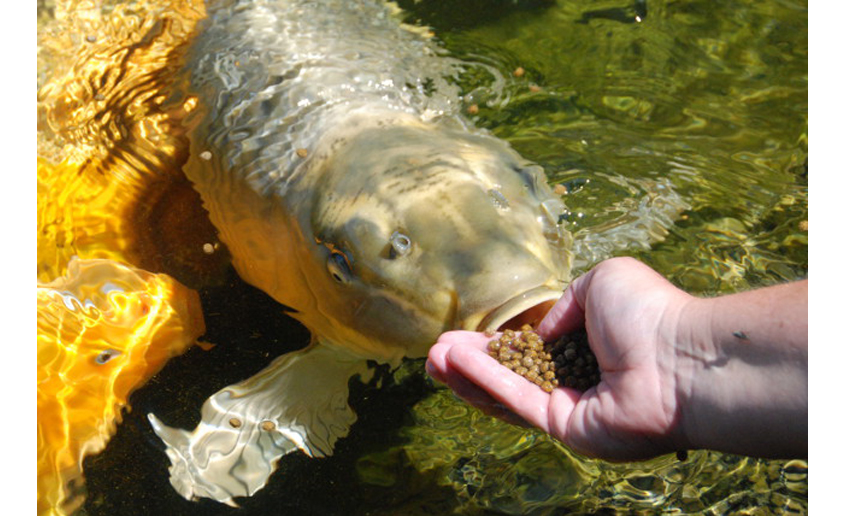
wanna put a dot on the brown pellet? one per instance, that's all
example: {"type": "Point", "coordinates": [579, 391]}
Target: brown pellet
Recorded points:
{"type": "Point", "coordinates": [568, 361]}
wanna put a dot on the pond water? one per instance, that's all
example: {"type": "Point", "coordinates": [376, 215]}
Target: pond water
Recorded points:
{"type": "Point", "coordinates": [611, 97]}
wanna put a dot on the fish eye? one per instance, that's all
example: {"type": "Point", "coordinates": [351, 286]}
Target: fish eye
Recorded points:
{"type": "Point", "coordinates": [105, 356]}
{"type": "Point", "coordinates": [339, 267]}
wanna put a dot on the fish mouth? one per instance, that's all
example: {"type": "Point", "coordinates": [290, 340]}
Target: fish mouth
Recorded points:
{"type": "Point", "coordinates": [529, 307]}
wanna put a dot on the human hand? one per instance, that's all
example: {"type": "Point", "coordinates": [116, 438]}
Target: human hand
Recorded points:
{"type": "Point", "coordinates": [631, 316]}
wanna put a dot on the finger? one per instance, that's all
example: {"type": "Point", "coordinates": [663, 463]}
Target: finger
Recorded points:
{"type": "Point", "coordinates": [519, 395]}
{"type": "Point", "coordinates": [439, 369]}
{"type": "Point", "coordinates": [465, 338]}
{"type": "Point", "coordinates": [479, 398]}
{"type": "Point", "coordinates": [436, 365]}
{"type": "Point", "coordinates": [568, 314]}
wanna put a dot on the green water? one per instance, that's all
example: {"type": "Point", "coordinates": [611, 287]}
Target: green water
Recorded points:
{"type": "Point", "coordinates": [709, 96]}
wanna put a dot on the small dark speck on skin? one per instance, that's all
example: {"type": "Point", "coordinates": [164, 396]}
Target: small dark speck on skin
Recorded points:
{"type": "Point", "coordinates": [740, 335]}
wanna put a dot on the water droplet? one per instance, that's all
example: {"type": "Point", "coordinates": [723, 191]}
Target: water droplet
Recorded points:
{"type": "Point", "coordinates": [498, 199]}
{"type": "Point", "coordinates": [401, 243]}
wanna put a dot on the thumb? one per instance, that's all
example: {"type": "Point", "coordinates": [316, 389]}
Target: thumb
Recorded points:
{"type": "Point", "coordinates": [568, 314]}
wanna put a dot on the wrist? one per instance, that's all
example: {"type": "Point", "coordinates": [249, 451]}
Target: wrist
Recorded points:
{"type": "Point", "coordinates": [682, 337]}
{"type": "Point", "coordinates": [741, 373]}
{"type": "Point", "coordinates": [693, 349]}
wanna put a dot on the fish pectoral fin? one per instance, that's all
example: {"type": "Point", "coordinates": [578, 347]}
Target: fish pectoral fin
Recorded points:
{"type": "Point", "coordinates": [298, 401]}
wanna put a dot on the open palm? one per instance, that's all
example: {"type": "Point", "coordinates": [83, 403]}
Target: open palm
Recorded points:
{"type": "Point", "coordinates": [633, 413]}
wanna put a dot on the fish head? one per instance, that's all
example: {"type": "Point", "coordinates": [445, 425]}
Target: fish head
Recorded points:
{"type": "Point", "coordinates": [421, 229]}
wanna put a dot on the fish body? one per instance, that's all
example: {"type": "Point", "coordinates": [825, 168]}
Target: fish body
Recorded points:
{"type": "Point", "coordinates": [316, 140]}
{"type": "Point", "coordinates": [328, 147]}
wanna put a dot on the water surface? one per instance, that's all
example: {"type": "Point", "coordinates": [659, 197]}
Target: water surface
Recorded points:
{"type": "Point", "coordinates": [612, 98]}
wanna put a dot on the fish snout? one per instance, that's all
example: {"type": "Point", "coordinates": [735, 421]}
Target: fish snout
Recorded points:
{"type": "Point", "coordinates": [507, 290]}
{"type": "Point", "coordinates": [501, 281]}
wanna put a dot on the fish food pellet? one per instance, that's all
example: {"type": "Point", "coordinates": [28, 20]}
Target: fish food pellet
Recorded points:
{"type": "Point", "coordinates": [568, 361]}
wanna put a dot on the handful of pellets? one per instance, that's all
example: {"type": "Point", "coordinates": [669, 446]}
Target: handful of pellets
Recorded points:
{"type": "Point", "coordinates": [568, 361]}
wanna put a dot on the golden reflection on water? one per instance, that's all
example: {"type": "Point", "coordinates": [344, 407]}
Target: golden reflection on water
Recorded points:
{"type": "Point", "coordinates": [109, 158]}
{"type": "Point", "coordinates": [103, 331]}
{"type": "Point", "coordinates": [111, 144]}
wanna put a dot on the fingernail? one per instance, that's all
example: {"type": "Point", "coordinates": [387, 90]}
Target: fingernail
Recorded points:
{"type": "Point", "coordinates": [431, 371]}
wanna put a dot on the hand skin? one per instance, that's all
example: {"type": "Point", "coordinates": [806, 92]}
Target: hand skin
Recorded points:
{"type": "Point", "coordinates": [677, 372]}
